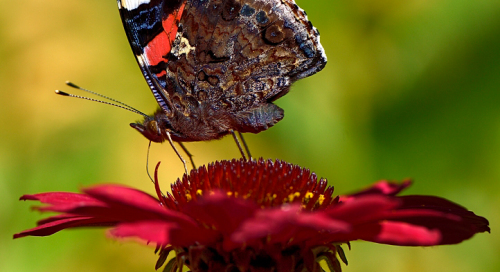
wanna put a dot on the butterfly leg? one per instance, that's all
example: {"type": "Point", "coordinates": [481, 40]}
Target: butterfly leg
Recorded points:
{"type": "Point", "coordinates": [177, 152]}
{"type": "Point", "coordinates": [238, 144]}
{"type": "Point", "coordinates": [188, 153]}
{"type": "Point", "coordinates": [245, 145]}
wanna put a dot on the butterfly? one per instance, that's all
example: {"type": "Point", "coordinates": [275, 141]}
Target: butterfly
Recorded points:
{"type": "Point", "coordinates": [216, 66]}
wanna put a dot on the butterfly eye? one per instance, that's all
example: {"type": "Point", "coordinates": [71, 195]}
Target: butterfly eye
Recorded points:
{"type": "Point", "coordinates": [152, 126]}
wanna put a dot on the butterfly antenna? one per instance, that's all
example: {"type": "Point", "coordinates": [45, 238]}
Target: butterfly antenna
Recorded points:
{"type": "Point", "coordinates": [59, 92]}
{"type": "Point", "coordinates": [118, 103]}
{"type": "Point", "coordinates": [73, 85]}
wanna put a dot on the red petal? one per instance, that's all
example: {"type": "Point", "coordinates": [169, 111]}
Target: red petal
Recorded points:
{"type": "Point", "coordinates": [412, 220]}
{"type": "Point", "coordinates": [126, 196]}
{"type": "Point", "coordinates": [57, 198]}
{"type": "Point", "coordinates": [380, 188]}
{"type": "Point", "coordinates": [108, 205]}
{"type": "Point", "coordinates": [56, 225]}
{"type": "Point", "coordinates": [363, 208]}
{"type": "Point", "coordinates": [151, 231]}
{"type": "Point", "coordinates": [284, 223]}
{"type": "Point", "coordinates": [164, 233]}
{"type": "Point", "coordinates": [126, 204]}
{"type": "Point", "coordinates": [404, 234]}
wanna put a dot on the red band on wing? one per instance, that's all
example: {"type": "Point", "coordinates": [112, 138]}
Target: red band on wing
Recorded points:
{"type": "Point", "coordinates": [157, 48]}
{"type": "Point", "coordinates": [162, 43]}
{"type": "Point", "coordinates": [171, 24]}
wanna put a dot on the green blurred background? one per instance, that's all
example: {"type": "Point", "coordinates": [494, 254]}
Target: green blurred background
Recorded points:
{"type": "Point", "coordinates": [411, 90]}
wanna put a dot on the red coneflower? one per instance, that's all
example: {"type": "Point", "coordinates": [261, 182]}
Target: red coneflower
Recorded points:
{"type": "Point", "coordinates": [258, 216]}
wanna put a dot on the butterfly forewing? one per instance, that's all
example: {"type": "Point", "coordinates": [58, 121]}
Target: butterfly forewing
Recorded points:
{"type": "Point", "coordinates": [151, 27]}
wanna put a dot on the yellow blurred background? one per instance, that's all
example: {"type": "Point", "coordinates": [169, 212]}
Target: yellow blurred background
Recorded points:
{"type": "Point", "coordinates": [411, 90]}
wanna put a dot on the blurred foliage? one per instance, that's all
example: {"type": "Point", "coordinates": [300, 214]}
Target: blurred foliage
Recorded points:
{"type": "Point", "coordinates": [411, 90]}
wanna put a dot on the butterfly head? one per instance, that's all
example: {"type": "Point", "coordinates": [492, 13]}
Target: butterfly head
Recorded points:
{"type": "Point", "coordinates": [154, 127]}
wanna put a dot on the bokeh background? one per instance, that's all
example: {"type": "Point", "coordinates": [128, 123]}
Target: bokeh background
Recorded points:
{"type": "Point", "coordinates": [411, 90]}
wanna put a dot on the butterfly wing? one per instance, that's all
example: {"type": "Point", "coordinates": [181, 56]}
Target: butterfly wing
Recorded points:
{"type": "Point", "coordinates": [151, 27]}
{"type": "Point", "coordinates": [217, 65]}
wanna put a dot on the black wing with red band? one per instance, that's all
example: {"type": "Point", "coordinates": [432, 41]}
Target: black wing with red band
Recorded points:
{"type": "Point", "coordinates": [151, 27]}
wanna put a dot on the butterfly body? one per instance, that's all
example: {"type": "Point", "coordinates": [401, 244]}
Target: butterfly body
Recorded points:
{"type": "Point", "coordinates": [215, 66]}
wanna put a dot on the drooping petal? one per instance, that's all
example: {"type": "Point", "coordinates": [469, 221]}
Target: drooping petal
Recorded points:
{"type": "Point", "coordinates": [59, 198]}
{"type": "Point", "coordinates": [110, 205]}
{"type": "Point", "coordinates": [52, 226]}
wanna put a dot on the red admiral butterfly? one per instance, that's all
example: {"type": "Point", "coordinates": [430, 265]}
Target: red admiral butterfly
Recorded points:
{"type": "Point", "coordinates": [216, 66]}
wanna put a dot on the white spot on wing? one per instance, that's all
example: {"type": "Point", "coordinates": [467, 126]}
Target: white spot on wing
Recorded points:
{"type": "Point", "coordinates": [133, 4]}
{"type": "Point", "coordinates": [181, 46]}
